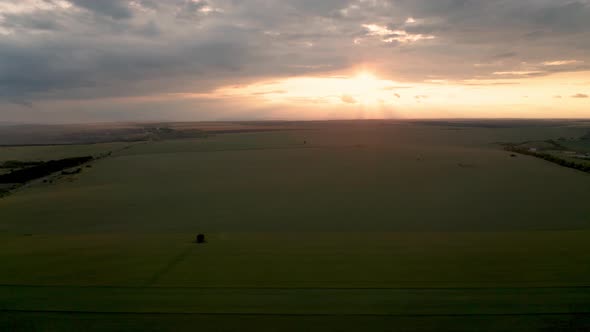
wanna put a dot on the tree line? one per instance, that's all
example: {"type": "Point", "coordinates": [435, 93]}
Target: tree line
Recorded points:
{"type": "Point", "coordinates": [42, 169]}
{"type": "Point", "coordinates": [584, 167]}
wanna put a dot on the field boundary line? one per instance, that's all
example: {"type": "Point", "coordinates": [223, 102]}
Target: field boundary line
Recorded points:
{"type": "Point", "coordinates": [80, 312]}
{"type": "Point", "coordinates": [182, 255]}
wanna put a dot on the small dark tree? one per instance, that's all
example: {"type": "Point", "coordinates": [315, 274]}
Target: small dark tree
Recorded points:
{"type": "Point", "coordinates": [201, 238]}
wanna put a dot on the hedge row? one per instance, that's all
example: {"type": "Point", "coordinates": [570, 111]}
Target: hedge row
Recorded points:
{"type": "Point", "coordinates": [41, 170]}
{"type": "Point", "coordinates": [551, 158]}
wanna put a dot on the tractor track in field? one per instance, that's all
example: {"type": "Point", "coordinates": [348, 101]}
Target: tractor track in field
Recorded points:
{"type": "Point", "coordinates": [169, 266]}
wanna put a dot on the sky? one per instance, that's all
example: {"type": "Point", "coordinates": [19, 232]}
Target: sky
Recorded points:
{"type": "Point", "coordinates": [175, 60]}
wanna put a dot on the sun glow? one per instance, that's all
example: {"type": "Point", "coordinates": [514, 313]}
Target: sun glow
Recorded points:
{"type": "Point", "coordinates": [363, 88]}
{"type": "Point", "coordinates": [366, 88]}
{"type": "Point", "coordinates": [365, 76]}
{"type": "Point", "coordinates": [363, 94]}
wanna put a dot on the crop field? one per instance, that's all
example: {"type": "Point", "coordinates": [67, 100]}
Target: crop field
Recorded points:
{"type": "Point", "coordinates": [340, 226]}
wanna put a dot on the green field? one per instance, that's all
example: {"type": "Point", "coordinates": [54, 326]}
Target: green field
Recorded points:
{"type": "Point", "coordinates": [369, 225]}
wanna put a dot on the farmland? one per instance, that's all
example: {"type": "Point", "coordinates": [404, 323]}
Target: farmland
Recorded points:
{"type": "Point", "coordinates": [335, 225]}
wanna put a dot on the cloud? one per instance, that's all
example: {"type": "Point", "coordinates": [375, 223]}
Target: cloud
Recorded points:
{"type": "Point", "coordinates": [29, 21]}
{"type": "Point", "coordinates": [92, 49]}
{"type": "Point", "coordinates": [390, 36]}
{"type": "Point", "coordinates": [348, 99]}
{"type": "Point", "coordinates": [116, 9]}
{"type": "Point", "coordinates": [580, 96]}
{"type": "Point", "coordinates": [518, 73]}
{"type": "Point", "coordinates": [560, 62]}
{"type": "Point", "coordinates": [505, 55]}
{"type": "Point", "coordinates": [194, 9]}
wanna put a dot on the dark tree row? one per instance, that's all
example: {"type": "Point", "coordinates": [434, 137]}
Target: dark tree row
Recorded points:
{"type": "Point", "coordinates": [19, 164]}
{"type": "Point", "coordinates": [43, 169]}
{"type": "Point", "coordinates": [551, 158]}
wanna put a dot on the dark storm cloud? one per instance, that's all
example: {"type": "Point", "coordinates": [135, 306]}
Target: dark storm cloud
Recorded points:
{"type": "Point", "coordinates": [505, 55]}
{"type": "Point", "coordinates": [31, 22]}
{"type": "Point", "coordinates": [504, 26]}
{"type": "Point", "coordinates": [90, 48]}
{"type": "Point", "coordinates": [116, 9]}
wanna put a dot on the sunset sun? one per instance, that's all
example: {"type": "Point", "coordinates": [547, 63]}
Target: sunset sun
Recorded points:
{"type": "Point", "coordinates": [366, 87]}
